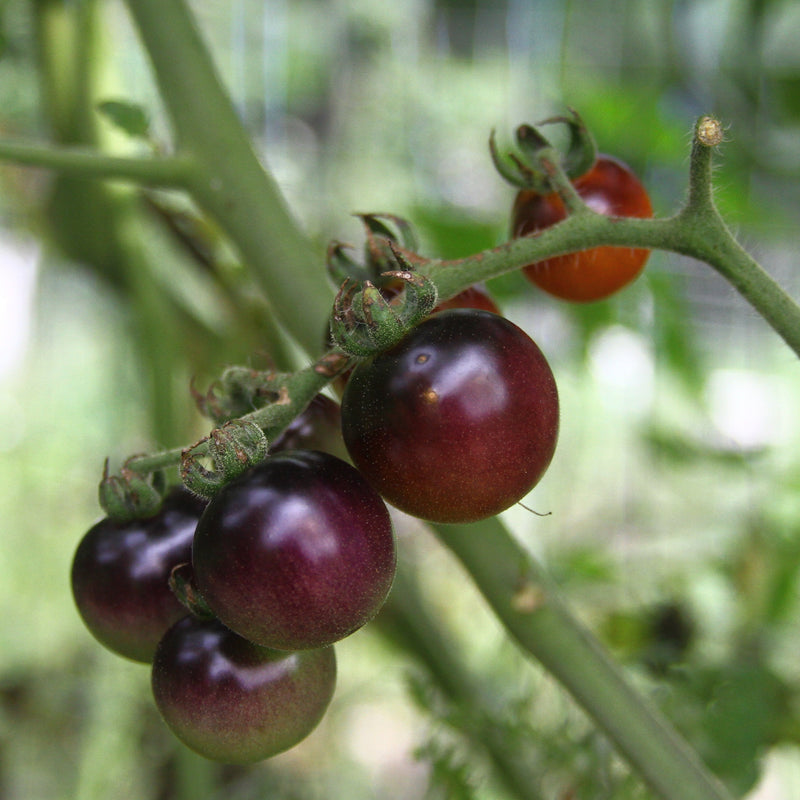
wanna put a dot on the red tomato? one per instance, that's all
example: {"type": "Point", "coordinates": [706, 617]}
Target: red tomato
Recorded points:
{"type": "Point", "coordinates": [611, 188]}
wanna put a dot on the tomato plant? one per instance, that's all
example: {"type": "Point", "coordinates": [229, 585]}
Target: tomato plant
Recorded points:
{"type": "Point", "coordinates": [233, 701]}
{"type": "Point", "coordinates": [610, 187]}
{"type": "Point", "coordinates": [297, 553]}
{"type": "Point", "coordinates": [458, 421]}
{"type": "Point", "coordinates": [120, 573]}
{"type": "Point", "coordinates": [452, 418]}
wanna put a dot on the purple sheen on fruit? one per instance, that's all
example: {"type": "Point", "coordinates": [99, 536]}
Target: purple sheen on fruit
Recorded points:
{"type": "Point", "coordinates": [120, 575]}
{"type": "Point", "coordinates": [297, 553]}
{"type": "Point", "coordinates": [456, 422]}
{"type": "Point", "coordinates": [232, 701]}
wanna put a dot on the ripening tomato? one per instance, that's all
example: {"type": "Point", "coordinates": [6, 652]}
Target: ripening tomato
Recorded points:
{"type": "Point", "coordinates": [457, 421]}
{"type": "Point", "coordinates": [233, 701]}
{"type": "Point", "coordinates": [120, 575]}
{"type": "Point", "coordinates": [295, 554]}
{"type": "Point", "coordinates": [610, 187]}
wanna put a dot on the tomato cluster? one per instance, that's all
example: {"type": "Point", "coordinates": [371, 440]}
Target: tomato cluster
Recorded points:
{"type": "Point", "coordinates": [291, 557]}
{"type": "Point", "coordinates": [454, 423]}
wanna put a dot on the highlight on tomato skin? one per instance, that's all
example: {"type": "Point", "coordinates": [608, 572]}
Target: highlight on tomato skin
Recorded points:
{"type": "Point", "coordinates": [297, 553]}
{"type": "Point", "coordinates": [120, 575]}
{"type": "Point", "coordinates": [232, 701]}
{"type": "Point", "coordinates": [458, 421]}
{"type": "Point", "coordinates": [610, 188]}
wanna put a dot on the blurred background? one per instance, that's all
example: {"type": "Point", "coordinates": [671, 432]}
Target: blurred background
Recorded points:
{"type": "Point", "coordinates": [675, 525]}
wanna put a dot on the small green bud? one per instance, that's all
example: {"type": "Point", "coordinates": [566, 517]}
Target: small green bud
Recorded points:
{"type": "Point", "coordinates": [237, 446]}
{"type": "Point", "coordinates": [231, 449]}
{"type": "Point", "coordinates": [129, 495]}
{"type": "Point", "coordinates": [365, 322]}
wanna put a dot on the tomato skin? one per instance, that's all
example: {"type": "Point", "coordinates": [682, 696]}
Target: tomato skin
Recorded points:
{"type": "Point", "coordinates": [610, 188]}
{"type": "Point", "coordinates": [318, 427]}
{"type": "Point", "coordinates": [472, 297]}
{"type": "Point", "coordinates": [295, 554]}
{"type": "Point", "coordinates": [120, 575]}
{"type": "Point", "coordinates": [232, 701]}
{"type": "Point", "coordinates": [456, 422]}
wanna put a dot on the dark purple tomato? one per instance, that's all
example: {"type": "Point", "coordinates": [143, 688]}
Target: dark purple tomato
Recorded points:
{"type": "Point", "coordinates": [233, 701]}
{"type": "Point", "coordinates": [120, 575]}
{"type": "Point", "coordinates": [297, 553]}
{"type": "Point", "coordinates": [609, 187]}
{"type": "Point", "coordinates": [456, 422]}
{"type": "Point", "coordinates": [318, 427]}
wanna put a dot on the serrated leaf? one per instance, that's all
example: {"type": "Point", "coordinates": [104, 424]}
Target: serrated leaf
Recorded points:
{"type": "Point", "coordinates": [128, 117]}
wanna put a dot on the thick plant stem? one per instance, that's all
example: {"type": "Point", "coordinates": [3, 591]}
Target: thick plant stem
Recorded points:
{"type": "Point", "coordinates": [228, 180]}
{"type": "Point", "coordinates": [522, 596]}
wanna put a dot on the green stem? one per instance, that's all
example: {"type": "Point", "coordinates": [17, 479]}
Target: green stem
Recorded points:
{"type": "Point", "coordinates": [90, 163]}
{"type": "Point", "coordinates": [294, 391]}
{"type": "Point", "coordinates": [228, 179]}
{"type": "Point", "coordinates": [705, 236]}
{"type": "Point", "coordinates": [697, 230]}
{"type": "Point", "coordinates": [522, 596]}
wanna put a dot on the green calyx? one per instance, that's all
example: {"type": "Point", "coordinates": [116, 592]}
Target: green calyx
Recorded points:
{"type": "Point", "coordinates": [232, 449]}
{"type": "Point", "coordinates": [525, 169]}
{"type": "Point", "coordinates": [128, 495]}
{"type": "Point", "coordinates": [384, 233]}
{"type": "Point", "coordinates": [365, 321]}
{"type": "Point", "coordinates": [182, 585]}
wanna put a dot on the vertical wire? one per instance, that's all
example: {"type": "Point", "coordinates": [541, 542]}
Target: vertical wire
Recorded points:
{"type": "Point", "coordinates": [239, 57]}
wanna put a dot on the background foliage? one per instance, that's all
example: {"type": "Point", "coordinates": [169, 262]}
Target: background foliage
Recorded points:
{"type": "Point", "coordinates": [675, 530]}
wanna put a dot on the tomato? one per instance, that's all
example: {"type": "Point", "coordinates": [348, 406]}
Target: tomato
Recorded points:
{"type": "Point", "coordinates": [297, 553]}
{"type": "Point", "coordinates": [318, 427]}
{"type": "Point", "coordinates": [120, 575]}
{"type": "Point", "coordinates": [472, 297]}
{"type": "Point", "coordinates": [611, 188]}
{"type": "Point", "coordinates": [230, 700]}
{"type": "Point", "coordinates": [456, 422]}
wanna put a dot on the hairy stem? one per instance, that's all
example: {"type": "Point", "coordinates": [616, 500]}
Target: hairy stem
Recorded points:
{"type": "Point", "coordinates": [293, 392]}
{"type": "Point", "coordinates": [522, 596]}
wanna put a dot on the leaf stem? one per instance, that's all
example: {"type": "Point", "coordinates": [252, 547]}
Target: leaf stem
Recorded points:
{"type": "Point", "coordinates": [171, 171]}
{"type": "Point", "coordinates": [696, 230]}
{"type": "Point", "coordinates": [527, 603]}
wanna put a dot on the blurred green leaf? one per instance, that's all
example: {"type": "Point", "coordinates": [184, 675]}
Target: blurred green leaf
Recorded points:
{"type": "Point", "coordinates": [128, 117]}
